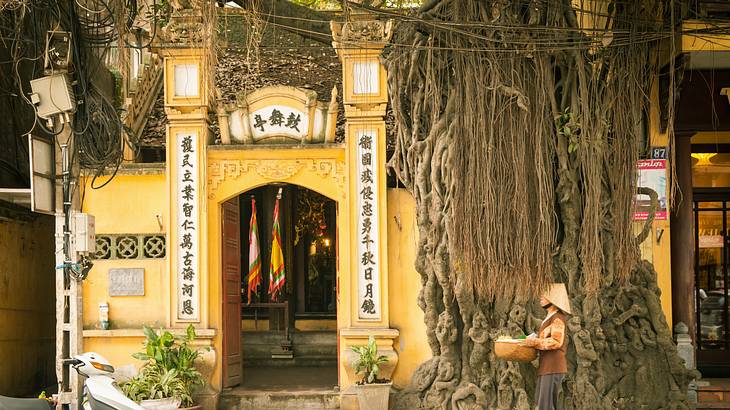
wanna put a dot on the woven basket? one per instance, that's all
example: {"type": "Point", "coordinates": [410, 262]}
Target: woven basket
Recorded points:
{"type": "Point", "coordinates": [514, 352]}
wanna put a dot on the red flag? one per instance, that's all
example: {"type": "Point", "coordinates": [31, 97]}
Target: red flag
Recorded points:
{"type": "Point", "coordinates": [254, 256]}
{"type": "Point", "coordinates": [277, 274]}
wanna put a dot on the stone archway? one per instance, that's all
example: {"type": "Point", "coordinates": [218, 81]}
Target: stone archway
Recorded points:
{"type": "Point", "coordinates": [231, 172]}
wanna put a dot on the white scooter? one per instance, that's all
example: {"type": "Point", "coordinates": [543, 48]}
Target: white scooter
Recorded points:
{"type": "Point", "coordinates": [101, 392]}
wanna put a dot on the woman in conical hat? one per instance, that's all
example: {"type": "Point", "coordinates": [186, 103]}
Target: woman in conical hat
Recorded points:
{"type": "Point", "coordinates": [552, 342]}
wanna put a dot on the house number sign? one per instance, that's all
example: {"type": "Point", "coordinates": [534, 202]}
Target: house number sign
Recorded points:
{"type": "Point", "coordinates": [188, 229]}
{"type": "Point", "coordinates": [368, 217]}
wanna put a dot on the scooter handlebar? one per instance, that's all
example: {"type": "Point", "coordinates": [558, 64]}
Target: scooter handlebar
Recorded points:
{"type": "Point", "coordinates": [72, 362]}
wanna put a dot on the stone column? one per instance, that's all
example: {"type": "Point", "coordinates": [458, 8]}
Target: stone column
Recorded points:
{"type": "Point", "coordinates": [687, 352]}
{"type": "Point", "coordinates": [682, 240]}
{"type": "Point", "coordinates": [188, 101]}
{"type": "Point", "coordinates": [359, 43]}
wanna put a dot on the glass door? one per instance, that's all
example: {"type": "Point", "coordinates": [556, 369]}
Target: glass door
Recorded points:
{"type": "Point", "coordinates": [711, 279]}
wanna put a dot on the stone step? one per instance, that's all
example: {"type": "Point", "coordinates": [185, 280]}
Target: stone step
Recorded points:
{"type": "Point", "coordinates": [311, 361]}
{"type": "Point", "coordinates": [244, 399]}
{"type": "Point", "coordinates": [296, 388]}
{"type": "Point", "coordinates": [259, 351]}
{"type": "Point", "coordinates": [309, 337]}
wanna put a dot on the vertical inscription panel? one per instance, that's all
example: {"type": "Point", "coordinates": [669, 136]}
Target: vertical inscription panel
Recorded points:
{"type": "Point", "coordinates": [368, 224]}
{"type": "Point", "coordinates": [187, 225]}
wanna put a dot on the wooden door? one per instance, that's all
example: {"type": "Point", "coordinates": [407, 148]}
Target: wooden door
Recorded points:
{"type": "Point", "coordinates": [232, 361]}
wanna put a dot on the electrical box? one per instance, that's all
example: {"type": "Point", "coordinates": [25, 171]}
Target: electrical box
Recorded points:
{"type": "Point", "coordinates": [54, 95]}
{"type": "Point", "coordinates": [58, 50]}
{"type": "Point", "coordinates": [84, 233]}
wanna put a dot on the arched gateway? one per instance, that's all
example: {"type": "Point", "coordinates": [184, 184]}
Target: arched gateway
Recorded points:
{"type": "Point", "coordinates": [281, 137]}
{"type": "Point", "coordinates": [316, 171]}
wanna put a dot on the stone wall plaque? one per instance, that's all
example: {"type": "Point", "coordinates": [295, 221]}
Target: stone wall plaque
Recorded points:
{"type": "Point", "coordinates": [126, 282]}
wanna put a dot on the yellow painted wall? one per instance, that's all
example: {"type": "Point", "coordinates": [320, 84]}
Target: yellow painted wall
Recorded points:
{"type": "Point", "coordinates": [659, 253]}
{"type": "Point", "coordinates": [117, 350]}
{"type": "Point", "coordinates": [404, 286]}
{"type": "Point", "coordinates": [128, 204]}
{"type": "Point", "coordinates": [27, 306]}
{"type": "Point", "coordinates": [703, 42]}
{"type": "Point", "coordinates": [306, 325]}
{"type": "Point", "coordinates": [251, 325]}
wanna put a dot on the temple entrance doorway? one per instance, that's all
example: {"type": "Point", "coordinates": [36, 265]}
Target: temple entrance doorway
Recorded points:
{"type": "Point", "coordinates": [287, 321]}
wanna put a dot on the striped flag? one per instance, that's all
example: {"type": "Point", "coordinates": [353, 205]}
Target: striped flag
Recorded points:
{"type": "Point", "coordinates": [277, 274]}
{"type": "Point", "coordinates": [254, 255]}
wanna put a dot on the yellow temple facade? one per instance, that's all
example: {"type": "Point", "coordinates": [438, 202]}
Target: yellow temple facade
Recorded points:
{"type": "Point", "coordinates": [164, 242]}
{"type": "Point", "coordinates": [164, 248]}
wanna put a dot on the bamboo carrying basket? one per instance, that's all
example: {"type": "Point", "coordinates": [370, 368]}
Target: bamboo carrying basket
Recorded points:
{"type": "Point", "coordinates": [514, 351]}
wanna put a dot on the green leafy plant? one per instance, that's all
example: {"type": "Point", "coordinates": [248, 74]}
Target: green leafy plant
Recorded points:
{"type": "Point", "coordinates": [155, 383]}
{"type": "Point", "coordinates": [569, 127]}
{"type": "Point", "coordinates": [169, 370]}
{"type": "Point", "coordinates": [368, 362]}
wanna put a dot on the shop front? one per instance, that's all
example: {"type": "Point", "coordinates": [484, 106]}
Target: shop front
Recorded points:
{"type": "Point", "coordinates": [711, 211]}
{"type": "Point", "coordinates": [711, 273]}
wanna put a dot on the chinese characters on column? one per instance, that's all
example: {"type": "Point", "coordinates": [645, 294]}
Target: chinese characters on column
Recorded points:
{"type": "Point", "coordinates": [187, 226]}
{"type": "Point", "coordinates": [368, 256]}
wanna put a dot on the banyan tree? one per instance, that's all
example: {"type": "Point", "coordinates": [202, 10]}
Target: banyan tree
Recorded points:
{"type": "Point", "coordinates": [518, 127]}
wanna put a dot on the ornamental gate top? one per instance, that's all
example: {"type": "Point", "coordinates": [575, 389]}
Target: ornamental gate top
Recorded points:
{"type": "Point", "coordinates": [279, 114]}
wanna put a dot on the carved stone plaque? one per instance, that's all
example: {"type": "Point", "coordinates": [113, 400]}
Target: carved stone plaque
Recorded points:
{"type": "Point", "coordinates": [126, 282]}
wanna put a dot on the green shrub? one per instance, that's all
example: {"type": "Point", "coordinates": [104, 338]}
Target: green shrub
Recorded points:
{"type": "Point", "coordinates": [169, 369]}
{"type": "Point", "coordinates": [369, 362]}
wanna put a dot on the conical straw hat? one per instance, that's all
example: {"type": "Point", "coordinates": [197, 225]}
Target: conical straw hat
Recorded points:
{"type": "Point", "coordinates": [558, 296]}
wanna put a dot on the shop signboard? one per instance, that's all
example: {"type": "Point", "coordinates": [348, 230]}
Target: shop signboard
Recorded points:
{"type": "Point", "coordinates": [651, 173]}
{"type": "Point", "coordinates": [711, 241]}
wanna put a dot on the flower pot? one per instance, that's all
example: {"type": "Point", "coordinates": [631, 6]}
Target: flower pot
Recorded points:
{"type": "Point", "coordinates": [161, 404]}
{"type": "Point", "coordinates": [373, 396]}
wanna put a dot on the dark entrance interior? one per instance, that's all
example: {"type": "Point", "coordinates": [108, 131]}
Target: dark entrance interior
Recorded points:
{"type": "Point", "coordinates": [281, 341]}
{"type": "Point", "coordinates": [712, 213]}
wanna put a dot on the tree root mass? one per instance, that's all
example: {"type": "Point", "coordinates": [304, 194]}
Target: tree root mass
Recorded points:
{"type": "Point", "coordinates": [518, 132]}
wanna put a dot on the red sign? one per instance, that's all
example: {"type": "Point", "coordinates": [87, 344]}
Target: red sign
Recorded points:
{"type": "Point", "coordinates": [651, 173]}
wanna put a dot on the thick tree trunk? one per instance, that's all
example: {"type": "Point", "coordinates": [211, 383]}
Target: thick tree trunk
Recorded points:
{"type": "Point", "coordinates": [517, 138]}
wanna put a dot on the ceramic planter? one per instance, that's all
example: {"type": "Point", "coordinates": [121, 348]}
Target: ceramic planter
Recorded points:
{"type": "Point", "coordinates": [161, 404]}
{"type": "Point", "coordinates": [373, 396]}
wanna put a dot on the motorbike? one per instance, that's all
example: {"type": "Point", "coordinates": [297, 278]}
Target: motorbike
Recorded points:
{"type": "Point", "coordinates": [101, 392]}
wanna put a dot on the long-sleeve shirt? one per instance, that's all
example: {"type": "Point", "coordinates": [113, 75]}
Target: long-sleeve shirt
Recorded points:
{"type": "Point", "coordinates": [552, 336]}
{"type": "Point", "coordinates": [552, 343]}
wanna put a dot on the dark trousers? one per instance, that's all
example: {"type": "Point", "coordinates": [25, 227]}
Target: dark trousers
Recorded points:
{"type": "Point", "coordinates": [548, 389]}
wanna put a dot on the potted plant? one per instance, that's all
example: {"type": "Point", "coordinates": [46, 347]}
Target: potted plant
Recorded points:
{"type": "Point", "coordinates": [372, 393]}
{"type": "Point", "coordinates": [168, 378]}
